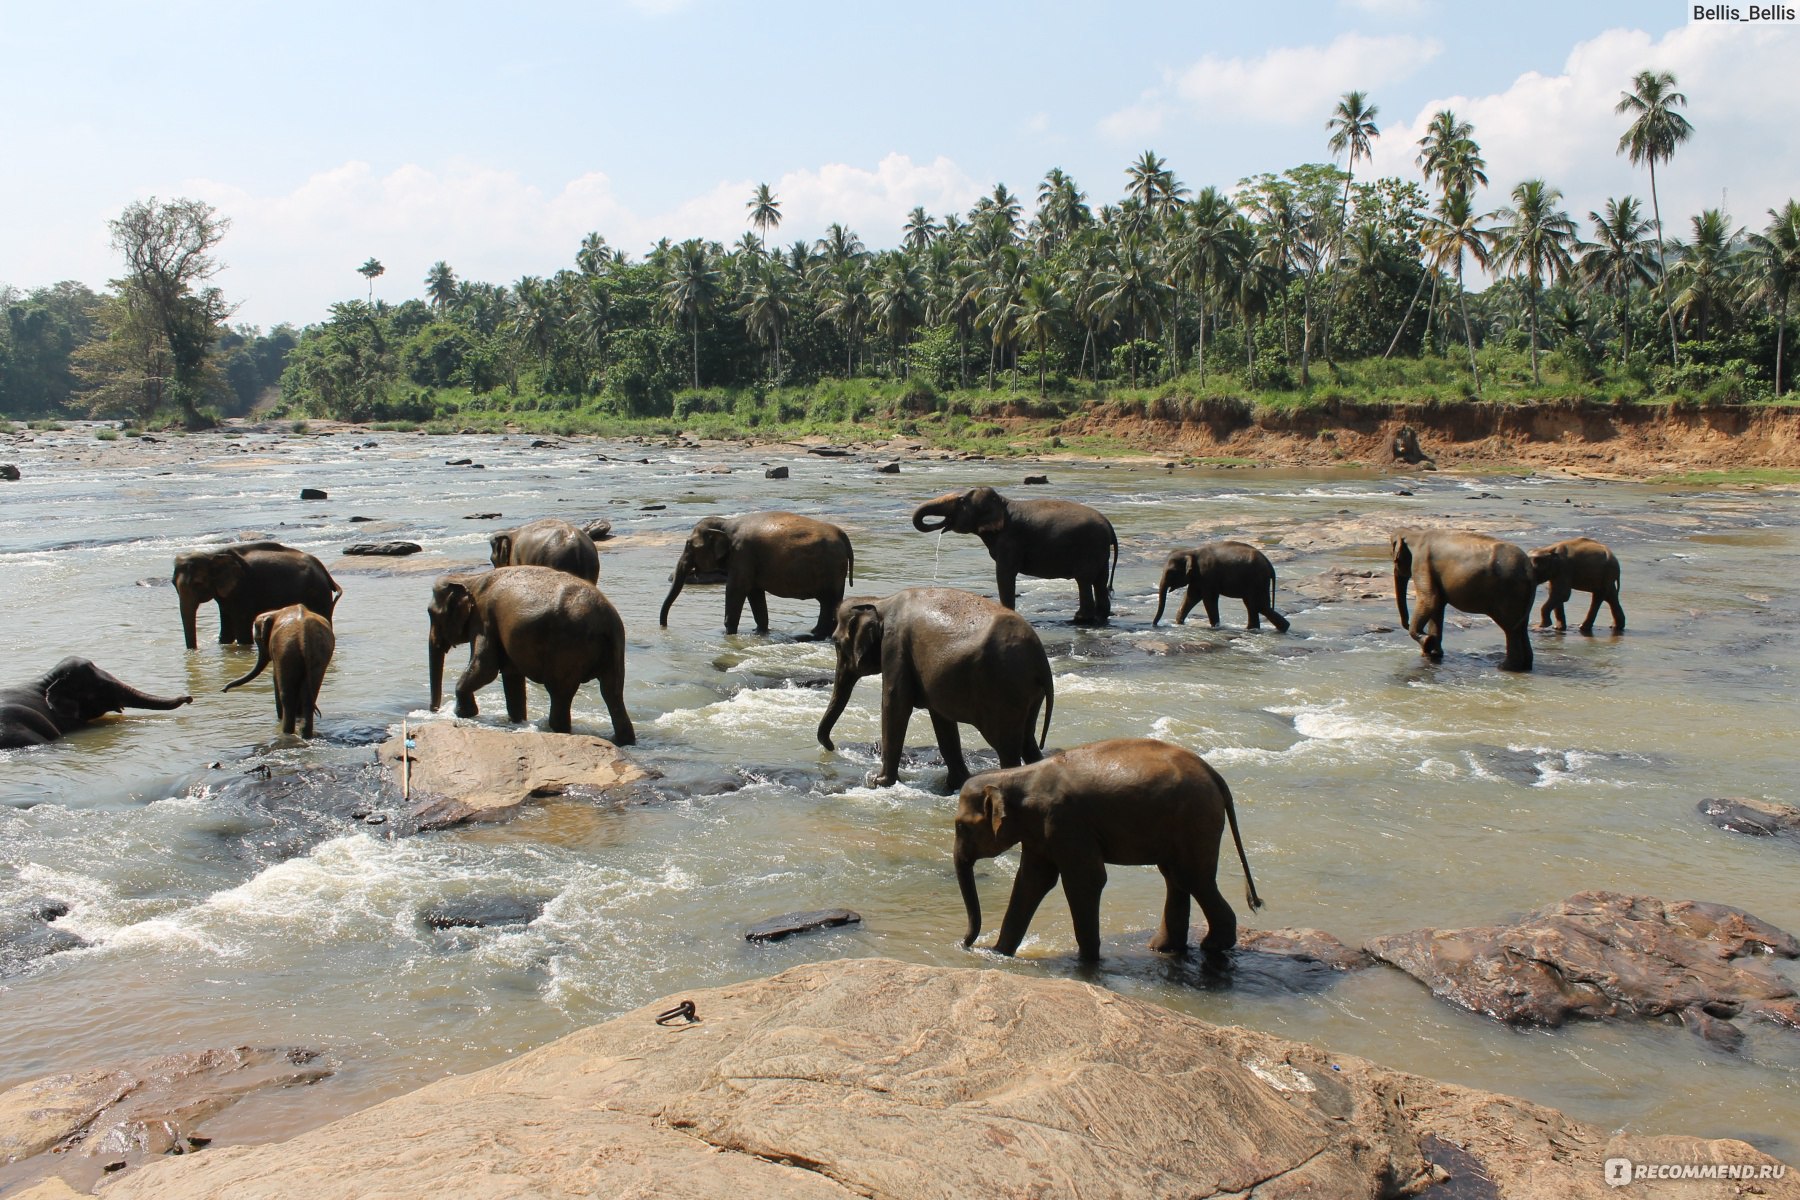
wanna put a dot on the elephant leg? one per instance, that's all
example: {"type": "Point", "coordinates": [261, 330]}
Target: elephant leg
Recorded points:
{"type": "Point", "coordinates": [1253, 612]}
{"type": "Point", "coordinates": [896, 715]}
{"type": "Point", "coordinates": [1587, 623]}
{"type": "Point", "coordinates": [1007, 580]}
{"type": "Point", "coordinates": [1085, 609]}
{"type": "Point", "coordinates": [307, 705]}
{"type": "Point", "coordinates": [826, 625]}
{"type": "Point", "coordinates": [1559, 596]}
{"type": "Point", "coordinates": [1037, 875]}
{"type": "Point", "coordinates": [1187, 606]}
{"type": "Point", "coordinates": [1082, 886]}
{"type": "Point", "coordinates": [612, 690]}
{"type": "Point", "coordinates": [949, 740]}
{"type": "Point", "coordinates": [1280, 622]}
{"type": "Point", "coordinates": [1518, 646]}
{"type": "Point", "coordinates": [562, 716]}
{"type": "Point", "coordinates": [759, 609]}
{"type": "Point", "coordinates": [1221, 920]}
{"type": "Point", "coordinates": [1211, 601]}
{"type": "Point", "coordinates": [734, 607]}
{"type": "Point", "coordinates": [483, 669]}
{"type": "Point", "coordinates": [1171, 936]}
{"type": "Point", "coordinates": [512, 682]}
{"type": "Point", "coordinates": [1549, 604]}
{"type": "Point", "coordinates": [1428, 626]}
{"type": "Point", "coordinates": [1618, 611]}
{"type": "Point", "coordinates": [1102, 599]}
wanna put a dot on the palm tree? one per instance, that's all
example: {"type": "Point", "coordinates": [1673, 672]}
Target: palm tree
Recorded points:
{"type": "Point", "coordinates": [594, 256]}
{"type": "Point", "coordinates": [921, 230]}
{"type": "Point", "coordinates": [1705, 273]}
{"type": "Point", "coordinates": [1656, 129]}
{"type": "Point", "coordinates": [766, 308]}
{"type": "Point", "coordinates": [1140, 292]}
{"type": "Point", "coordinates": [1452, 234]}
{"type": "Point", "coordinates": [1043, 310]}
{"type": "Point", "coordinates": [535, 319]}
{"type": "Point", "coordinates": [1153, 185]}
{"type": "Point", "coordinates": [1772, 271]}
{"type": "Point", "coordinates": [593, 319]}
{"type": "Point", "coordinates": [1618, 259]}
{"type": "Point", "coordinates": [844, 301]}
{"type": "Point", "coordinates": [691, 290]}
{"type": "Point", "coordinates": [1062, 209]}
{"type": "Point", "coordinates": [839, 246]}
{"type": "Point", "coordinates": [440, 286]}
{"type": "Point", "coordinates": [371, 271]}
{"type": "Point", "coordinates": [1535, 240]}
{"type": "Point", "coordinates": [1203, 250]}
{"type": "Point", "coordinates": [1353, 132]}
{"type": "Point", "coordinates": [765, 212]}
{"type": "Point", "coordinates": [1448, 154]}
{"type": "Point", "coordinates": [898, 305]}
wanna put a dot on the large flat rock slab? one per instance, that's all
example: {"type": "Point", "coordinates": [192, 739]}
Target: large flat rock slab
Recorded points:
{"type": "Point", "coordinates": [466, 772]}
{"type": "Point", "coordinates": [875, 1078]}
{"type": "Point", "coordinates": [1607, 954]}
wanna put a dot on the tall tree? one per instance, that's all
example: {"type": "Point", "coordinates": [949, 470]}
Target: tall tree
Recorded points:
{"type": "Point", "coordinates": [1153, 185]}
{"type": "Point", "coordinates": [1206, 244]}
{"type": "Point", "coordinates": [371, 271]}
{"type": "Point", "coordinates": [921, 230]}
{"type": "Point", "coordinates": [440, 286]}
{"type": "Point", "coordinates": [1454, 233]}
{"type": "Point", "coordinates": [1620, 257]}
{"type": "Point", "coordinates": [1353, 133]}
{"type": "Point", "coordinates": [1703, 280]}
{"type": "Point", "coordinates": [1655, 130]}
{"type": "Point", "coordinates": [765, 212]}
{"type": "Point", "coordinates": [691, 290]}
{"type": "Point", "coordinates": [1773, 271]}
{"type": "Point", "coordinates": [1534, 239]}
{"type": "Point", "coordinates": [168, 254]}
{"type": "Point", "coordinates": [1043, 309]}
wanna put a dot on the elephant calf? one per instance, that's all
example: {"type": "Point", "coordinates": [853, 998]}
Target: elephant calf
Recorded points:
{"type": "Point", "coordinates": [300, 643]}
{"type": "Point", "coordinates": [1130, 801]}
{"type": "Point", "coordinates": [551, 542]}
{"type": "Point", "coordinates": [65, 698]}
{"type": "Point", "coordinates": [1235, 569]}
{"type": "Point", "coordinates": [1578, 565]}
{"type": "Point", "coordinates": [1472, 571]}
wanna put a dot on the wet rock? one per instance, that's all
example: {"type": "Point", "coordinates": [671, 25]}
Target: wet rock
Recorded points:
{"type": "Point", "coordinates": [268, 815]}
{"type": "Point", "coordinates": [106, 1120]}
{"type": "Point", "coordinates": [1337, 585]}
{"type": "Point", "coordinates": [867, 1077]}
{"type": "Point", "coordinates": [26, 934]}
{"type": "Point", "coordinates": [1760, 818]}
{"type": "Point", "coordinates": [888, 468]}
{"type": "Point", "coordinates": [788, 924]}
{"type": "Point", "coordinates": [484, 516]}
{"type": "Point", "coordinates": [598, 530]}
{"type": "Point", "coordinates": [1307, 946]}
{"type": "Point", "coordinates": [828, 451]}
{"type": "Point", "coordinates": [458, 462]}
{"type": "Point", "coordinates": [545, 444]}
{"type": "Point", "coordinates": [9, 472]}
{"type": "Point", "coordinates": [714, 469]}
{"type": "Point", "coordinates": [383, 549]}
{"type": "Point", "coordinates": [465, 772]}
{"type": "Point", "coordinates": [485, 913]}
{"type": "Point", "coordinates": [313, 494]}
{"type": "Point", "coordinates": [1037, 479]}
{"type": "Point", "coordinates": [1605, 954]}
{"type": "Point", "coordinates": [776, 473]}
{"type": "Point", "coordinates": [361, 520]}
{"type": "Point", "coordinates": [652, 507]}
{"type": "Point", "coordinates": [1404, 492]}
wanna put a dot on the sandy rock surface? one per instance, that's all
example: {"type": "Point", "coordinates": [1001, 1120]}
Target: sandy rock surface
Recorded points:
{"type": "Point", "coordinates": [466, 772]}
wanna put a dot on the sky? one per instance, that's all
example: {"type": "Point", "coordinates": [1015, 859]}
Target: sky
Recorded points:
{"type": "Point", "coordinates": [494, 137]}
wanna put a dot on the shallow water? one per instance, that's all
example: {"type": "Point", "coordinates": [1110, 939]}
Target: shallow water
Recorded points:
{"type": "Point", "coordinates": [1377, 792]}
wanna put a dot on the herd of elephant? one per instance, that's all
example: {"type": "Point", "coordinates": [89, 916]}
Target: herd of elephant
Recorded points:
{"type": "Point", "coordinates": [539, 615]}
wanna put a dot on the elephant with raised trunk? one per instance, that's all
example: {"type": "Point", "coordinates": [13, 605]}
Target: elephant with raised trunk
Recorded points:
{"type": "Point", "coordinates": [769, 552]}
{"type": "Point", "coordinates": [300, 643]}
{"type": "Point", "coordinates": [551, 542]}
{"type": "Point", "coordinates": [1049, 539]}
{"type": "Point", "coordinates": [248, 578]}
{"type": "Point", "coordinates": [1473, 572]}
{"type": "Point", "coordinates": [1129, 801]}
{"type": "Point", "coordinates": [65, 698]}
{"type": "Point", "coordinates": [533, 623]}
{"type": "Point", "coordinates": [1235, 569]}
{"type": "Point", "coordinates": [1578, 565]}
{"type": "Point", "coordinates": [960, 657]}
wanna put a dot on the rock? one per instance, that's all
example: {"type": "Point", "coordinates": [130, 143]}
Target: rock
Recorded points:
{"type": "Point", "coordinates": [467, 772]}
{"type": "Point", "coordinates": [458, 462]}
{"type": "Point", "coordinates": [1306, 945]}
{"type": "Point", "coordinates": [485, 913]}
{"type": "Point", "coordinates": [144, 1110]}
{"type": "Point", "coordinates": [652, 507]}
{"type": "Point", "coordinates": [1606, 954]}
{"type": "Point", "coordinates": [545, 444]}
{"type": "Point", "coordinates": [1404, 492]}
{"type": "Point", "coordinates": [1036, 479]}
{"type": "Point", "coordinates": [383, 549]}
{"type": "Point", "coordinates": [788, 924]}
{"type": "Point", "coordinates": [598, 530]}
{"type": "Point", "coordinates": [482, 517]}
{"type": "Point", "coordinates": [477, 466]}
{"type": "Point", "coordinates": [26, 934]}
{"type": "Point", "coordinates": [714, 469]}
{"type": "Point", "coordinates": [360, 520]}
{"type": "Point", "coordinates": [828, 451]}
{"type": "Point", "coordinates": [888, 468]}
{"type": "Point", "coordinates": [1761, 818]}
{"type": "Point", "coordinates": [313, 494]}
{"type": "Point", "coordinates": [1335, 585]}
{"type": "Point", "coordinates": [9, 472]}
{"type": "Point", "coordinates": [776, 473]}
{"type": "Point", "coordinates": [867, 1077]}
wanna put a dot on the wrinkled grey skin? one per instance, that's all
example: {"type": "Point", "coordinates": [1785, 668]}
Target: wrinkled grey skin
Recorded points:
{"type": "Point", "coordinates": [1473, 572]}
{"type": "Point", "coordinates": [65, 698]}
{"type": "Point", "coordinates": [1130, 801]}
{"type": "Point", "coordinates": [960, 657]}
{"type": "Point", "coordinates": [248, 578]}
{"type": "Point", "coordinates": [551, 542]}
{"type": "Point", "coordinates": [1578, 565]}
{"type": "Point", "coordinates": [299, 642]}
{"type": "Point", "coordinates": [533, 623]}
{"type": "Point", "coordinates": [760, 554]}
{"type": "Point", "coordinates": [1235, 569]}
{"type": "Point", "coordinates": [1049, 539]}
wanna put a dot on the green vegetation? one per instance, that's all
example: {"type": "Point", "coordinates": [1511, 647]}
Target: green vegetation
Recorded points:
{"type": "Point", "coordinates": [107, 433]}
{"type": "Point", "coordinates": [1743, 476]}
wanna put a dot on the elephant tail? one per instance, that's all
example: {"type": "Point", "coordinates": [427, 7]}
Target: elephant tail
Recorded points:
{"type": "Point", "coordinates": [1049, 707]}
{"type": "Point", "coordinates": [850, 561]}
{"type": "Point", "coordinates": [1271, 585]}
{"type": "Point", "coordinates": [1114, 573]}
{"type": "Point", "coordinates": [1250, 897]}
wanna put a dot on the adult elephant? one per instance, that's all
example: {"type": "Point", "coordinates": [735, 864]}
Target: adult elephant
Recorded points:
{"type": "Point", "coordinates": [1470, 571]}
{"type": "Point", "coordinates": [768, 552]}
{"type": "Point", "coordinates": [533, 623]}
{"type": "Point", "coordinates": [1130, 801]}
{"type": "Point", "coordinates": [1235, 569]}
{"type": "Point", "coordinates": [1049, 539]}
{"type": "Point", "coordinates": [551, 542]}
{"type": "Point", "coordinates": [247, 578]}
{"type": "Point", "coordinates": [68, 696]}
{"type": "Point", "coordinates": [960, 657]}
{"type": "Point", "coordinates": [1578, 565]}
{"type": "Point", "coordinates": [300, 643]}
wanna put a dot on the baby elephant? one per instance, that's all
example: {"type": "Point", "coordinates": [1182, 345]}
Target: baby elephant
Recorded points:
{"type": "Point", "coordinates": [299, 642]}
{"type": "Point", "coordinates": [1131, 801]}
{"type": "Point", "coordinates": [1578, 565]}
{"type": "Point", "coordinates": [1235, 569]}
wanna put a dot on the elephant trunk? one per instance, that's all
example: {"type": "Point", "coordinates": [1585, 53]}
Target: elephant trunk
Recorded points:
{"type": "Point", "coordinates": [262, 660]}
{"type": "Point", "coordinates": [1162, 598]}
{"type": "Point", "coordinates": [190, 609]}
{"type": "Point", "coordinates": [939, 508]}
{"type": "Point", "coordinates": [681, 574]}
{"type": "Point", "coordinates": [130, 697]}
{"type": "Point", "coordinates": [965, 879]}
{"type": "Point", "coordinates": [435, 653]}
{"type": "Point", "coordinates": [840, 698]}
{"type": "Point", "coordinates": [1401, 578]}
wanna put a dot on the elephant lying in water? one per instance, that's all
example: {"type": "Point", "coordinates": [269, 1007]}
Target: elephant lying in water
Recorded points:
{"type": "Point", "coordinates": [68, 696]}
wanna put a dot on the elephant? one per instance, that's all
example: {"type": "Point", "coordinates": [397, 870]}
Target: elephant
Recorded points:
{"type": "Point", "coordinates": [1235, 569]}
{"type": "Point", "coordinates": [1473, 572]}
{"type": "Point", "coordinates": [1578, 565]}
{"type": "Point", "coordinates": [71, 694]}
{"type": "Point", "coordinates": [1130, 801]}
{"type": "Point", "coordinates": [960, 657]}
{"type": "Point", "coordinates": [299, 642]}
{"type": "Point", "coordinates": [534, 623]}
{"type": "Point", "coordinates": [1050, 539]}
{"type": "Point", "coordinates": [248, 578]}
{"type": "Point", "coordinates": [759, 553]}
{"type": "Point", "coordinates": [551, 542]}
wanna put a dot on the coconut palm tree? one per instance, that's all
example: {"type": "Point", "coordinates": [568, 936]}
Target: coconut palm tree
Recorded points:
{"type": "Point", "coordinates": [767, 306]}
{"type": "Point", "coordinates": [1062, 210]}
{"type": "Point", "coordinates": [440, 286]}
{"type": "Point", "coordinates": [594, 256]}
{"type": "Point", "coordinates": [1043, 311]}
{"type": "Point", "coordinates": [1772, 271]}
{"type": "Point", "coordinates": [840, 245]}
{"type": "Point", "coordinates": [691, 289]}
{"type": "Point", "coordinates": [1153, 185]}
{"type": "Point", "coordinates": [593, 319]}
{"type": "Point", "coordinates": [1450, 156]}
{"type": "Point", "coordinates": [1619, 259]}
{"type": "Point", "coordinates": [1139, 291]}
{"type": "Point", "coordinates": [1454, 233]}
{"type": "Point", "coordinates": [765, 212]}
{"type": "Point", "coordinates": [1655, 130]}
{"type": "Point", "coordinates": [1534, 239]}
{"type": "Point", "coordinates": [1704, 278]}
{"type": "Point", "coordinates": [898, 303]}
{"type": "Point", "coordinates": [1353, 133]}
{"type": "Point", "coordinates": [844, 301]}
{"type": "Point", "coordinates": [921, 230]}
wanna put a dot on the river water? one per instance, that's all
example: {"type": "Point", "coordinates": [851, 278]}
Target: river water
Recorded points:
{"type": "Point", "coordinates": [1377, 793]}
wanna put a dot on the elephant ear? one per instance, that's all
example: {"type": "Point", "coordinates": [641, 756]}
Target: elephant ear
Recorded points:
{"type": "Point", "coordinates": [864, 638]}
{"type": "Point", "coordinates": [500, 549]}
{"type": "Point", "coordinates": [1402, 551]}
{"type": "Point", "coordinates": [1545, 563]}
{"type": "Point", "coordinates": [716, 541]}
{"type": "Point", "coordinates": [260, 630]}
{"type": "Point", "coordinates": [989, 510]}
{"type": "Point", "coordinates": [1000, 812]}
{"type": "Point", "coordinates": [229, 573]}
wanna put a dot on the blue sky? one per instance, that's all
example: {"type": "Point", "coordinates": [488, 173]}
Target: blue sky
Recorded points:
{"type": "Point", "coordinates": [494, 138]}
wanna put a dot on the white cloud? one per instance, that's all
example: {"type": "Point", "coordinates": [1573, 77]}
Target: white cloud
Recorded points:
{"type": "Point", "coordinates": [1136, 123]}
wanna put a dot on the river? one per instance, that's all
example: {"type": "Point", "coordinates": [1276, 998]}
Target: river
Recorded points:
{"type": "Point", "coordinates": [1377, 792]}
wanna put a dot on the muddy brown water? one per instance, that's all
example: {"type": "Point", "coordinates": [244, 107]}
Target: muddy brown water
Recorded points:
{"type": "Point", "coordinates": [1377, 792]}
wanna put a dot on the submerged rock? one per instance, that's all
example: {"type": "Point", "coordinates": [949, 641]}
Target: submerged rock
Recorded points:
{"type": "Point", "coordinates": [1760, 818]}
{"type": "Point", "coordinates": [867, 1077]}
{"type": "Point", "coordinates": [1035, 480]}
{"type": "Point", "coordinates": [383, 549]}
{"type": "Point", "coordinates": [466, 772]}
{"type": "Point", "coordinates": [26, 934]}
{"type": "Point", "coordinates": [485, 912]}
{"type": "Point", "coordinates": [313, 494]}
{"type": "Point", "coordinates": [9, 472]}
{"type": "Point", "coordinates": [888, 468]}
{"type": "Point", "coordinates": [788, 924]}
{"type": "Point", "coordinates": [1604, 954]}
{"type": "Point", "coordinates": [776, 473]}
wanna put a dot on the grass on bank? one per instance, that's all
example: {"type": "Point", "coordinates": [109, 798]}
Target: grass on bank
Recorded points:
{"type": "Point", "coordinates": [1740, 477]}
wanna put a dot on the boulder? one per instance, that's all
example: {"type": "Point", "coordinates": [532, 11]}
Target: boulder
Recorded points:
{"type": "Point", "coordinates": [867, 1077]}
{"type": "Point", "coordinates": [313, 494]}
{"type": "Point", "coordinates": [482, 516]}
{"type": "Point", "coordinates": [1036, 480]}
{"type": "Point", "coordinates": [1760, 818]}
{"type": "Point", "coordinates": [9, 472]}
{"type": "Point", "coordinates": [828, 451]}
{"type": "Point", "coordinates": [458, 462]}
{"type": "Point", "coordinates": [484, 912]}
{"type": "Point", "coordinates": [26, 934]}
{"type": "Point", "coordinates": [788, 924]}
{"type": "Point", "coordinates": [888, 468]}
{"type": "Point", "coordinates": [466, 772]}
{"type": "Point", "coordinates": [383, 549]}
{"type": "Point", "coordinates": [1607, 954]}
{"type": "Point", "coordinates": [1337, 585]}
{"type": "Point", "coordinates": [598, 530]}
{"type": "Point", "coordinates": [776, 473]}
{"type": "Point", "coordinates": [545, 444]}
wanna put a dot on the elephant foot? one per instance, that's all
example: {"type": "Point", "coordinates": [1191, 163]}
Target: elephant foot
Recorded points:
{"type": "Point", "coordinates": [877, 779]}
{"type": "Point", "coordinates": [466, 708]}
{"type": "Point", "coordinates": [1084, 619]}
{"type": "Point", "coordinates": [953, 783]}
{"type": "Point", "coordinates": [1169, 946]}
